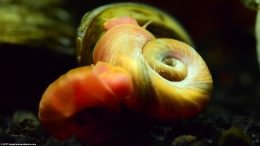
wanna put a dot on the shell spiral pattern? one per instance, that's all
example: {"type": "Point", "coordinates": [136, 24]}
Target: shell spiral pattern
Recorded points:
{"type": "Point", "coordinates": [170, 78]}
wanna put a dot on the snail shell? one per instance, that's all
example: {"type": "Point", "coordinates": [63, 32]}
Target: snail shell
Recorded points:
{"type": "Point", "coordinates": [170, 78]}
{"type": "Point", "coordinates": [92, 25]}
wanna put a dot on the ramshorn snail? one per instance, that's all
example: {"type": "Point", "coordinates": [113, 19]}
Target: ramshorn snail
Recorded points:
{"type": "Point", "coordinates": [141, 61]}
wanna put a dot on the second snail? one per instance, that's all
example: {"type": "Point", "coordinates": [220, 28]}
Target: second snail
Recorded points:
{"type": "Point", "coordinates": [132, 55]}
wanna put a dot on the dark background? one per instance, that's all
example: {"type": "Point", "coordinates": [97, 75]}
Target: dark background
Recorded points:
{"type": "Point", "coordinates": [222, 31]}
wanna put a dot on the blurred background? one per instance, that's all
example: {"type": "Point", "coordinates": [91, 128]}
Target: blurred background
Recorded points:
{"type": "Point", "coordinates": [222, 31]}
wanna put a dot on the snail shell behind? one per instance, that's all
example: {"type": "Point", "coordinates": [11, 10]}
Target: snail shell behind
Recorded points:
{"type": "Point", "coordinates": [91, 26]}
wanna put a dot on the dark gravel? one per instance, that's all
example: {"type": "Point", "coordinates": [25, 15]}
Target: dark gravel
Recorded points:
{"type": "Point", "coordinates": [213, 127]}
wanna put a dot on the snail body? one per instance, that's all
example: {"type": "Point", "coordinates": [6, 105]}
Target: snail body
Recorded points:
{"type": "Point", "coordinates": [77, 103]}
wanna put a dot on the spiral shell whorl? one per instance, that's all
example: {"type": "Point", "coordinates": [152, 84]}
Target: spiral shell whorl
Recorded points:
{"type": "Point", "coordinates": [170, 78]}
{"type": "Point", "coordinates": [181, 98]}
